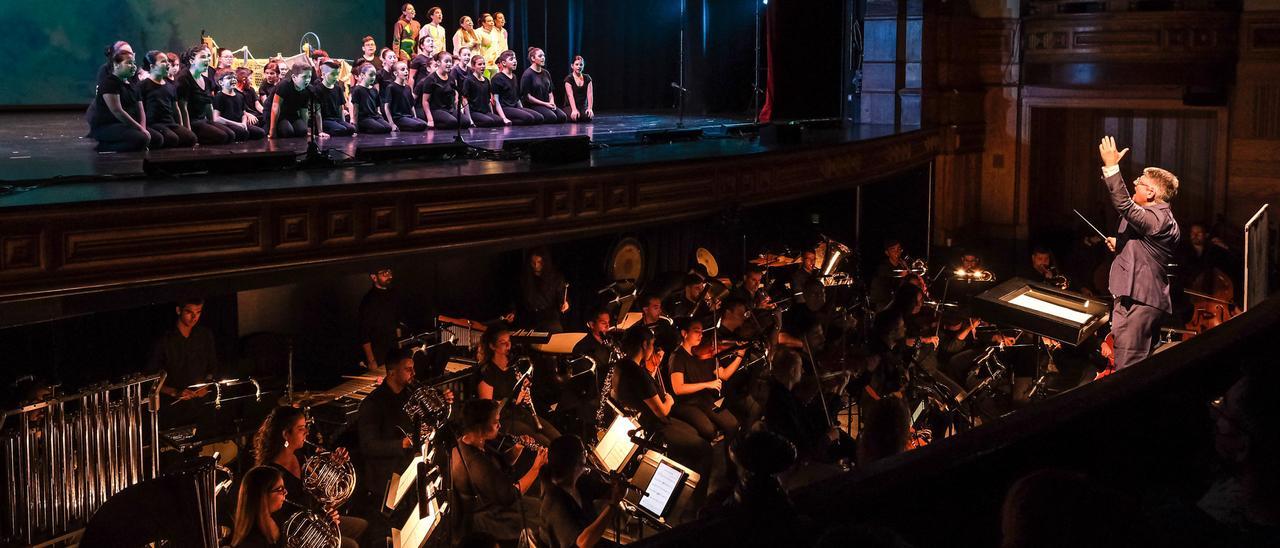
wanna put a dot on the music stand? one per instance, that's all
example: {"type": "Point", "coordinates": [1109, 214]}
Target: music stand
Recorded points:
{"type": "Point", "coordinates": [668, 487]}
{"type": "Point", "coordinates": [615, 450]}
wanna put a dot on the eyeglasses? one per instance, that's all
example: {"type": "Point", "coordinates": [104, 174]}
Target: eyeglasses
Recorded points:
{"type": "Point", "coordinates": [280, 490]}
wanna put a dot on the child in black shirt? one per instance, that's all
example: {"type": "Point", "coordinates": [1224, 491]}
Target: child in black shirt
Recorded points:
{"type": "Point", "coordinates": [535, 89]}
{"type": "Point", "coordinates": [506, 92]}
{"type": "Point", "coordinates": [438, 95]}
{"type": "Point", "coordinates": [195, 99]}
{"type": "Point", "coordinates": [228, 108]}
{"type": "Point", "coordinates": [160, 103]}
{"type": "Point", "coordinates": [477, 100]}
{"type": "Point", "coordinates": [118, 121]}
{"type": "Point", "coordinates": [368, 104]}
{"type": "Point", "coordinates": [336, 114]}
{"type": "Point", "coordinates": [289, 115]}
{"type": "Point", "coordinates": [397, 102]}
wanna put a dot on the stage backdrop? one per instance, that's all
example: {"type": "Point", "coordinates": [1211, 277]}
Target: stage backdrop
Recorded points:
{"type": "Point", "coordinates": [61, 42]}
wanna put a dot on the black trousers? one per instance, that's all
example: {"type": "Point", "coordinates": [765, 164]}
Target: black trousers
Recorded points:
{"type": "Point", "coordinates": [706, 419]}
{"type": "Point", "coordinates": [373, 126]}
{"type": "Point", "coordinates": [174, 135]}
{"type": "Point", "coordinates": [339, 128]}
{"type": "Point", "coordinates": [209, 133]}
{"type": "Point", "coordinates": [119, 138]}
{"type": "Point", "coordinates": [287, 129]}
{"type": "Point", "coordinates": [482, 119]}
{"type": "Point", "coordinates": [409, 123]}
{"type": "Point", "coordinates": [521, 116]}
{"type": "Point", "coordinates": [444, 119]}
{"type": "Point", "coordinates": [551, 116]}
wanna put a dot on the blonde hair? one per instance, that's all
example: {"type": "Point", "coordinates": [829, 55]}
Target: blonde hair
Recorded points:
{"type": "Point", "coordinates": [1165, 182]}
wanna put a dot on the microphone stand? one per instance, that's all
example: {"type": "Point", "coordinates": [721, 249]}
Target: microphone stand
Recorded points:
{"type": "Point", "coordinates": [680, 86]}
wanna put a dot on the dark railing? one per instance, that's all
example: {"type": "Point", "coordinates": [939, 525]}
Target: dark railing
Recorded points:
{"type": "Point", "coordinates": [1050, 8]}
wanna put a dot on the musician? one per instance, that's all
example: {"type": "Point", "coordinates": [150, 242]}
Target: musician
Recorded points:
{"type": "Point", "coordinates": [568, 516]}
{"type": "Point", "coordinates": [276, 445]}
{"type": "Point", "coordinates": [751, 289]}
{"type": "Point", "coordinates": [492, 500]}
{"type": "Point", "coordinates": [693, 300]}
{"type": "Point", "coordinates": [543, 294]}
{"type": "Point", "coordinates": [187, 355]}
{"type": "Point", "coordinates": [1147, 238]}
{"type": "Point", "coordinates": [888, 273]}
{"type": "Point", "coordinates": [806, 273]}
{"type": "Point", "coordinates": [1043, 267]}
{"type": "Point", "coordinates": [596, 344]}
{"type": "Point", "coordinates": [640, 392]}
{"type": "Point", "coordinates": [698, 382]}
{"type": "Point", "coordinates": [262, 494]}
{"type": "Point", "coordinates": [380, 318]}
{"type": "Point", "coordinates": [663, 328]}
{"type": "Point", "coordinates": [883, 368]}
{"type": "Point", "coordinates": [498, 382]}
{"type": "Point", "coordinates": [383, 425]}
{"type": "Point", "coordinates": [802, 422]}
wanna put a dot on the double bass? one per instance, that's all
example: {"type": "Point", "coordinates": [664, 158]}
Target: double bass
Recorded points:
{"type": "Point", "coordinates": [1212, 294]}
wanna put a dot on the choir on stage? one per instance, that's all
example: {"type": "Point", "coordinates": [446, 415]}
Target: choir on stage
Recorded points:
{"type": "Point", "coordinates": [417, 83]}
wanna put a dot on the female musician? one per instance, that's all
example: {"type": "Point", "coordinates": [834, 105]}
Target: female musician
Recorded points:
{"type": "Point", "coordinates": [579, 93]}
{"type": "Point", "coordinates": [160, 102]}
{"type": "Point", "coordinates": [491, 499]}
{"type": "Point", "coordinates": [438, 95]}
{"type": "Point", "coordinates": [337, 116]}
{"type": "Point", "coordinates": [477, 99]}
{"type": "Point", "coordinates": [543, 294]}
{"type": "Point", "coordinates": [368, 103]}
{"type": "Point", "coordinates": [433, 31]}
{"type": "Point", "coordinates": [506, 92]}
{"type": "Point", "coordinates": [567, 512]}
{"type": "Point", "coordinates": [405, 33]}
{"type": "Point", "coordinates": [195, 99]}
{"type": "Point", "coordinates": [697, 384]}
{"type": "Point", "coordinates": [262, 493]}
{"type": "Point", "coordinates": [276, 446]}
{"type": "Point", "coordinates": [397, 102]}
{"type": "Point", "coordinates": [498, 383]}
{"type": "Point", "coordinates": [465, 36]}
{"type": "Point", "coordinates": [535, 88]}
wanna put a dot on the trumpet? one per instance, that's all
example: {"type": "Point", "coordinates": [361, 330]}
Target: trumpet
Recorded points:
{"type": "Point", "coordinates": [917, 267]}
{"type": "Point", "coordinates": [974, 275]}
{"type": "Point", "coordinates": [329, 479]}
{"type": "Point", "coordinates": [1056, 278]}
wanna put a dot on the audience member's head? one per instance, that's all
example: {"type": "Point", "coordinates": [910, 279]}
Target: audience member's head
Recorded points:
{"type": "Point", "coordinates": [1060, 508]}
{"type": "Point", "coordinates": [1247, 434]}
{"type": "Point", "coordinates": [886, 430]}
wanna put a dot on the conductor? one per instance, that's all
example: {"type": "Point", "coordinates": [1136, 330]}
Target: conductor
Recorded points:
{"type": "Point", "coordinates": [1144, 245]}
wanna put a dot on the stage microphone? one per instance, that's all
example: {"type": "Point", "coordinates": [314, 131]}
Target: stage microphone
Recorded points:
{"type": "Point", "coordinates": [677, 86]}
{"type": "Point", "coordinates": [645, 443]}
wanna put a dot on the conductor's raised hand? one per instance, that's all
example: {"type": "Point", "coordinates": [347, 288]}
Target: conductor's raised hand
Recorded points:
{"type": "Point", "coordinates": [1107, 149]}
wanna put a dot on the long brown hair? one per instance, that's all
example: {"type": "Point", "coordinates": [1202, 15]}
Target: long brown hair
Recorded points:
{"type": "Point", "coordinates": [269, 440]}
{"type": "Point", "coordinates": [488, 340]}
{"type": "Point", "coordinates": [253, 506]}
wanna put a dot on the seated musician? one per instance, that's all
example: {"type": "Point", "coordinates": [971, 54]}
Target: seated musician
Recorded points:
{"type": "Point", "coordinates": [888, 274]}
{"type": "Point", "coordinates": [1042, 267]}
{"type": "Point", "coordinates": [498, 382]}
{"type": "Point", "coordinates": [568, 516]}
{"type": "Point", "coordinates": [492, 500]}
{"type": "Point", "coordinates": [187, 355]}
{"type": "Point", "coordinates": [262, 494]}
{"type": "Point", "coordinates": [698, 381]}
{"type": "Point", "coordinates": [752, 289]}
{"type": "Point", "coordinates": [380, 318]}
{"type": "Point", "coordinates": [693, 300]}
{"type": "Point", "coordinates": [739, 325]}
{"type": "Point", "coordinates": [383, 425]}
{"type": "Point", "coordinates": [543, 296]}
{"type": "Point", "coordinates": [663, 328]}
{"type": "Point", "coordinates": [276, 446]}
{"type": "Point", "coordinates": [802, 422]}
{"type": "Point", "coordinates": [582, 394]}
{"type": "Point", "coordinates": [640, 392]}
{"type": "Point", "coordinates": [884, 370]}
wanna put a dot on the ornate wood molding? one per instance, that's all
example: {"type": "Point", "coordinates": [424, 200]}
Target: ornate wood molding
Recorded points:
{"type": "Point", "coordinates": [67, 250]}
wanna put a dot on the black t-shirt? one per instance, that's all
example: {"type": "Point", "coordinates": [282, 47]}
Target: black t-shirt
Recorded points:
{"type": "Point", "coordinates": [477, 93]}
{"type": "Point", "coordinates": [579, 92]}
{"type": "Point", "coordinates": [458, 73]}
{"type": "Point", "coordinates": [112, 85]}
{"type": "Point", "coordinates": [385, 78]}
{"type": "Point", "coordinates": [230, 107]}
{"type": "Point", "coordinates": [506, 89]}
{"type": "Point", "coordinates": [159, 101]}
{"type": "Point", "coordinates": [632, 385]}
{"type": "Point", "coordinates": [536, 84]}
{"type": "Point", "coordinates": [598, 351]}
{"type": "Point", "coordinates": [268, 94]}
{"type": "Point", "coordinates": [695, 371]}
{"type": "Point", "coordinates": [380, 315]}
{"type": "Point", "coordinates": [293, 101]}
{"type": "Point", "coordinates": [563, 519]}
{"type": "Point", "coordinates": [250, 99]}
{"type": "Point", "coordinates": [503, 382]}
{"type": "Point", "coordinates": [399, 98]}
{"type": "Point", "coordinates": [439, 92]}
{"type": "Point", "coordinates": [367, 102]}
{"type": "Point", "coordinates": [331, 100]}
{"type": "Point", "coordinates": [187, 360]}
{"type": "Point", "coordinates": [421, 65]}
{"type": "Point", "coordinates": [199, 100]}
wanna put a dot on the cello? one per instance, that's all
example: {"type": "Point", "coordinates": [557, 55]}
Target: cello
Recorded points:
{"type": "Point", "coordinates": [1211, 294]}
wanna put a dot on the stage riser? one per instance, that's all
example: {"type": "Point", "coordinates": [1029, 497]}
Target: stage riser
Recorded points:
{"type": "Point", "coordinates": [66, 250]}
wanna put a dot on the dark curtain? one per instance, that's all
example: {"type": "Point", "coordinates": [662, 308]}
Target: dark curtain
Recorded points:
{"type": "Point", "coordinates": [804, 38]}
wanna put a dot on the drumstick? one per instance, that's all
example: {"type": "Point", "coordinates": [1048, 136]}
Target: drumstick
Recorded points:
{"type": "Point", "coordinates": [1086, 221]}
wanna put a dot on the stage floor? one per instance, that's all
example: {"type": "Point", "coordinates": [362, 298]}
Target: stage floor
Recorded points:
{"type": "Point", "coordinates": [48, 160]}
{"type": "Point", "coordinates": [52, 145]}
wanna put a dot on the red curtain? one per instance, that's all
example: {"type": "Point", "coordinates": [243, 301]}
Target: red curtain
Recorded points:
{"type": "Point", "coordinates": [770, 40]}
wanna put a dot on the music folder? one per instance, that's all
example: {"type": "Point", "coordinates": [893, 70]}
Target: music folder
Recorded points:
{"type": "Point", "coordinates": [401, 483]}
{"type": "Point", "coordinates": [615, 449]}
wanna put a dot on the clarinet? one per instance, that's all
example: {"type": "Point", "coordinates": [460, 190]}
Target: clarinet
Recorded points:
{"type": "Point", "coordinates": [605, 389]}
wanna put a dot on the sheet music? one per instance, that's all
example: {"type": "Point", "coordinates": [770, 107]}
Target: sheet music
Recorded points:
{"type": "Point", "coordinates": [660, 489]}
{"type": "Point", "coordinates": [614, 449]}
{"type": "Point", "coordinates": [1027, 301]}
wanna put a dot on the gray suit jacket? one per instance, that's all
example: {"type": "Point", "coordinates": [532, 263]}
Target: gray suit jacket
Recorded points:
{"type": "Point", "coordinates": [1145, 243]}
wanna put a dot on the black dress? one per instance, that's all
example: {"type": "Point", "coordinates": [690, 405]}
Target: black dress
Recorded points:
{"type": "Point", "coordinates": [579, 96]}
